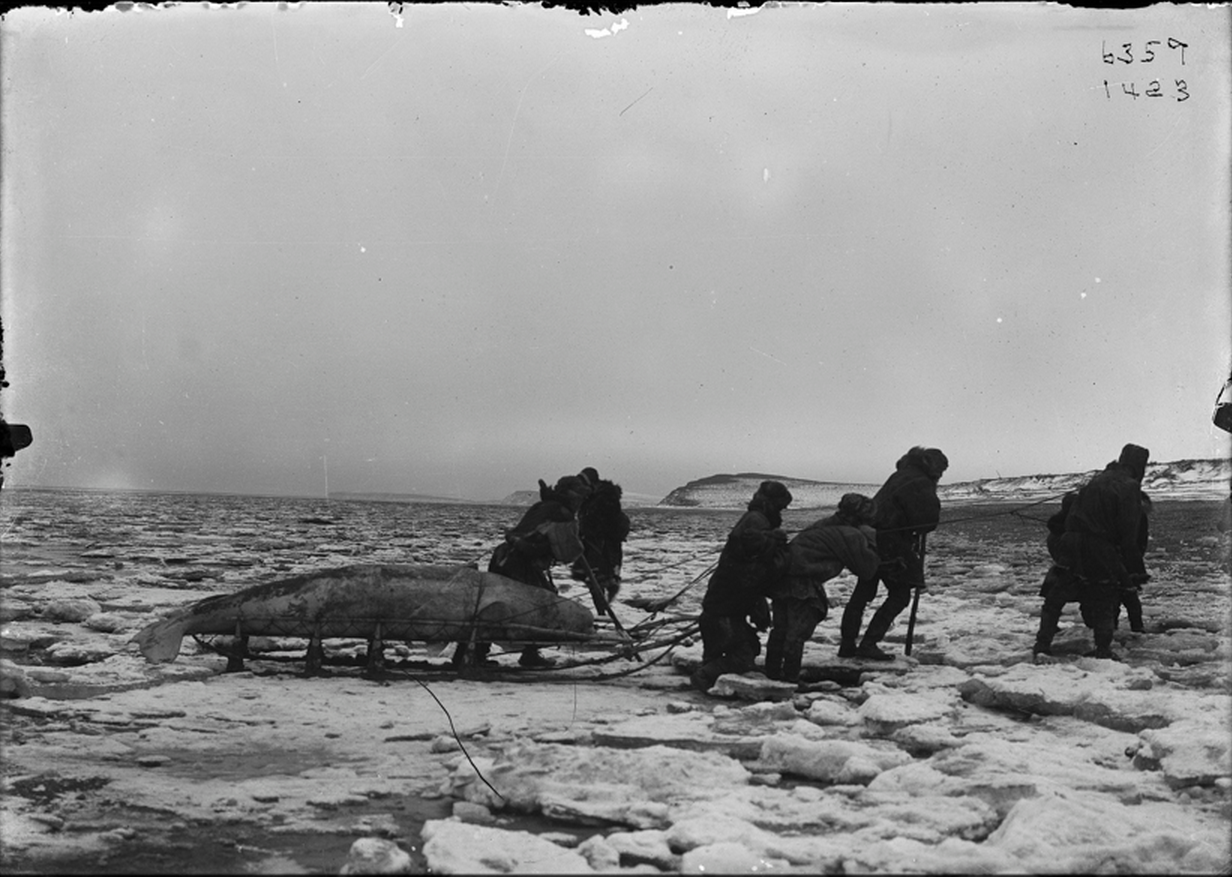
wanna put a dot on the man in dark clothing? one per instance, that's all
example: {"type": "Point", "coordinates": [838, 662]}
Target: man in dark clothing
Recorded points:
{"type": "Point", "coordinates": [546, 533]}
{"type": "Point", "coordinates": [604, 527]}
{"type": "Point", "coordinates": [1059, 572]}
{"type": "Point", "coordinates": [1138, 575]}
{"type": "Point", "coordinates": [819, 552]}
{"type": "Point", "coordinates": [907, 508]}
{"type": "Point", "coordinates": [590, 478]}
{"type": "Point", "coordinates": [1061, 581]}
{"type": "Point", "coordinates": [1099, 548]}
{"type": "Point", "coordinates": [754, 555]}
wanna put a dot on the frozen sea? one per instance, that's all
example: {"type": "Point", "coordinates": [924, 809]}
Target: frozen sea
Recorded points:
{"type": "Point", "coordinates": [964, 757]}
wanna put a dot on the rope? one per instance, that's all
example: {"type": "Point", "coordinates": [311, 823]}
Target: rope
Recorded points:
{"type": "Point", "coordinates": [458, 739]}
{"type": "Point", "coordinates": [656, 606]}
{"type": "Point", "coordinates": [689, 632]}
{"type": "Point", "coordinates": [690, 559]}
{"type": "Point", "coordinates": [1014, 511]}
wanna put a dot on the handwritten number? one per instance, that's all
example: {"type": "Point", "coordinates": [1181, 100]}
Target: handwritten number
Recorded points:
{"type": "Point", "coordinates": [1153, 88]}
{"type": "Point", "coordinates": [1127, 49]}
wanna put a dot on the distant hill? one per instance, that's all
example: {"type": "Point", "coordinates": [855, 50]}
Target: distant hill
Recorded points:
{"type": "Point", "coordinates": [402, 497]}
{"type": "Point", "coordinates": [517, 498]}
{"type": "Point", "coordinates": [521, 497]}
{"type": "Point", "coordinates": [628, 500]}
{"type": "Point", "coordinates": [1180, 479]}
{"type": "Point", "coordinates": [734, 491]}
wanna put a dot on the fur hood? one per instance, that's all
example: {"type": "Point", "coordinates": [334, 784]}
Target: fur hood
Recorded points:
{"type": "Point", "coordinates": [763, 504]}
{"type": "Point", "coordinates": [931, 461]}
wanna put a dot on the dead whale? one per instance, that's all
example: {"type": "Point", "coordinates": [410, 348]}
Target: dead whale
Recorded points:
{"type": "Point", "coordinates": [421, 603]}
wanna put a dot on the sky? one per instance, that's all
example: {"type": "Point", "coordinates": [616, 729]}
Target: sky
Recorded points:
{"type": "Point", "coordinates": [452, 249]}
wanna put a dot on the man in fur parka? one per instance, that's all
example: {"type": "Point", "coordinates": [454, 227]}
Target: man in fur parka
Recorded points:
{"type": "Point", "coordinates": [754, 555]}
{"type": "Point", "coordinates": [1102, 549]}
{"type": "Point", "coordinates": [546, 534]}
{"type": "Point", "coordinates": [907, 508]}
{"type": "Point", "coordinates": [819, 552]}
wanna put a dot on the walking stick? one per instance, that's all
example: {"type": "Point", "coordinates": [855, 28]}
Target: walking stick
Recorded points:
{"type": "Point", "coordinates": [603, 604]}
{"type": "Point", "coordinates": [915, 600]}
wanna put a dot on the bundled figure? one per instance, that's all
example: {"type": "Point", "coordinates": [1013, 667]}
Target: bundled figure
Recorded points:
{"type": "Point", "coordinates": [753, 558]}
{"type": "Point", "coordinates": [1058, 574]}
{"type": "Point", "coordinates": [547, 533]}
{"type": "Point", "coordinates": [819, 552]}
{"type": "Point", "coordinates": [603, 528]}
{"type": "Point", "coordinates": [1138, 576]}
{"type": "Point", "coordinates": [1097, 552]}
{"type": "Point", "coordinates": [907, 509]}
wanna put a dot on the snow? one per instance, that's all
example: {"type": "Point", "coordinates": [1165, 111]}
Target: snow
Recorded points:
{"type": "Point", "coordinates": [962, 758]}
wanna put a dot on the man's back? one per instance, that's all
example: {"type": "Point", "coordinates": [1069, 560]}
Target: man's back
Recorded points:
{"type": "Point", "coordinates": [833, 540]}
{"type": "Point", "coordinates": [1109, 507]}
{"type": "Point", "coordinates": [906, 504]}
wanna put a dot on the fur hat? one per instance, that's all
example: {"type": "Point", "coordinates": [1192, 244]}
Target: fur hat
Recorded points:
{"type": "Point", "coordinates": [776, 492]}
{"type": "Point", "coordinates": [1134, 457]}
{"type": "Point", "coordinates": [571, 486]}
{"type": "Point", "coordinates": [935, 461]}
{"type": "Point", "coordinates": [930, 461]}
{"type": "Point", "coordinates": [857, 508]}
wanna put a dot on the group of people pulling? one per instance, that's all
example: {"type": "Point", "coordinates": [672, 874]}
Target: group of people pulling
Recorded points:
{"type": "Point", "coordinates": [764, 581]}
{"type": "Point", "coordinates": [880, 539]}
{"type": "Point", "coordinates": [1097, 541]}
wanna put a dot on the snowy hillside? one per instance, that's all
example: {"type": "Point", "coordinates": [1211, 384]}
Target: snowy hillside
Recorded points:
{"type": "Point", "coordinates": [734, 491]}
{"type": "Point", "coordinates": [520, 497]}
{"type": "Point", "coordinates": [629, 499]}
{"type": "Point", "coordinates": [1180, 479]}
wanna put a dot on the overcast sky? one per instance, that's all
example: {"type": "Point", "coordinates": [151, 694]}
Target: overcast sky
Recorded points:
{"type": "Point", "coordinates": [459, 249]}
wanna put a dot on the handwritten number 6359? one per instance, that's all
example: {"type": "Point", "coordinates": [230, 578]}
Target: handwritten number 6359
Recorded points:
{"type": "Point", "coordinates": [1148, 51]}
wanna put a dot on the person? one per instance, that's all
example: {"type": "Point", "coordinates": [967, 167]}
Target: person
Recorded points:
{"type": "Point", "coordinates": [546, 533]}
{"type": "Point", "coordinates": [1138, 576]}
{"type": "Point", "coordinates": [13, 437]}
{"type": "Point", "coordinates": [907, 509]}
{"type": "Point", "coordinates": [818, 552]}
{"type": "Point", "coordinates": [754, 554]}
{"type": "Point", "coordinates": [589, 476]}
{"type": "Point", "coordinates": [603, 527]}
{"type": "Point", "coordinates": [1099, 549]}
{"type": "Point", "coordinates": [1058, 573]}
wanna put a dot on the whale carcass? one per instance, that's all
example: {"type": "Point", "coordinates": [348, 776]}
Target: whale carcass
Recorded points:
{"type": "Point", "coordinates": [422, 603]}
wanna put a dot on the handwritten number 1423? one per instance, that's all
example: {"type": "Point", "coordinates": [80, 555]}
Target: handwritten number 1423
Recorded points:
{"type": "Point", "coordinates": [1153, 89]}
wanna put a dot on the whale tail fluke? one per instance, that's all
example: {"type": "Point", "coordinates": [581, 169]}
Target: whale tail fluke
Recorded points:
{"type": "Point", "coordinates": [160, 642]}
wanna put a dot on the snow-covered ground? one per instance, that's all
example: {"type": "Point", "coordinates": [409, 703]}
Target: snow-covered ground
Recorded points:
{"type": "Point", "coordinates": [962, 758]}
